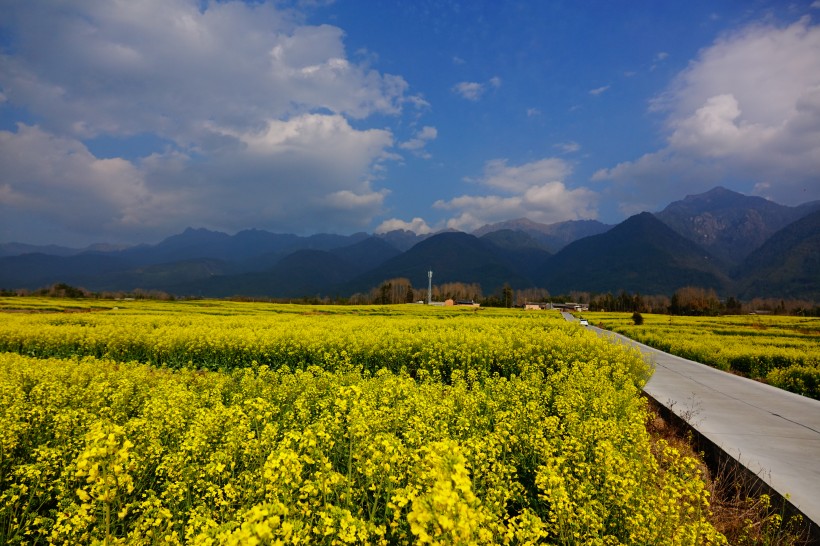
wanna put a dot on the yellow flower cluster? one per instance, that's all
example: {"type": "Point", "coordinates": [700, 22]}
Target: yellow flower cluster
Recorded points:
{"type": "Point", "coordinates": [784, 351]}
{"type": "Point", "coordinates": [506, 429]}
{"type": "Point", "coordinates": [419, 341]}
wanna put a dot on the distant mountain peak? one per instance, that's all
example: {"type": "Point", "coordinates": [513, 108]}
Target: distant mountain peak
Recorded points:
{"type": "Point", "coordinates": [519, 224]}
{"type": "Point", "coordinates": [551, 237]}
{"type": "Point", "coordinates": [727, 223]}
{"type": "Point", "coordinates": [198, 233]}
{"type": "Point", "coordinates": [189, 230]}
{"type": "Point", "coordinates": [508, 224]}
{"type": "Point", "coordinates": [715, 192]}
{"type": "Point", "coordinates": [717, 198]}
{"type": "Point", "coordinates": [640, 254]}
{"type": "Point", "coordinates": [509, 238]}
{"type": "Point", "coordinates": [402, 239]}
{"type": "Point", "coordinates": [643, 222]}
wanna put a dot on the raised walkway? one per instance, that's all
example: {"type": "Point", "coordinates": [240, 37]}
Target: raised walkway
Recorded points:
{"type": "Point", "coordinates": [773, 433]}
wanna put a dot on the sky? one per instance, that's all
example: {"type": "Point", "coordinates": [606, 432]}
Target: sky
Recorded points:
{"type": "Point", "coordinates": [126, 121]}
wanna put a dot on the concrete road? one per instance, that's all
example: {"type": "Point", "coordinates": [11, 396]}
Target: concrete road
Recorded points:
{"type": "Point", "coordinates": [773, 433]}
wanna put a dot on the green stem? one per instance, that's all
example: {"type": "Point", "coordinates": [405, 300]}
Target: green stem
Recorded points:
{"type": "Point", "coordinates": [107, 507]}
{"type": "Point", "coordinates": [349, 465]}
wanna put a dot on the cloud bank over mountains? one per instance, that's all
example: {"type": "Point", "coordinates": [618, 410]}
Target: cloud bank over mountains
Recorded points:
{"type": "Point", "coordinates": [256, 110]}
{"type": "Point", "coordinates": [534, 190]}
{"type": "Point", "coordinates": [132, 120]}
{"type": "Point", "coordinates": [748, 109]}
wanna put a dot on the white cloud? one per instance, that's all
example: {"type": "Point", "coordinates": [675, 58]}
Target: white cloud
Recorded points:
{"type": "Point", "coordinates": [765, 68]}
{"type": "Point", "coordinates": [599, 90]}
{"type": "Point", "coordinates": [499, 175]}
{"type": "Point", "coordinates": [309, 173]}
{"type": "Point", "coordinates": [313, 171]}
{"type": "Point", "coordinates": [657, 178]}
{"type": "Point", "coordinates": [568, 147]}
{"type": "Point", "coordinates": [533, 112]}
{"type": "Point", "coordinates": [165, 67]}
{"type": "Point", "coordinates": [255, 103]}
{"type": "Point", "coordinates": [717, 130]}
{"type": "Point", "coordinates": [534, 190]}
{"type": "Point", "coordinates": [311, 135]}
{"type": "Point", "coordinates": [418, 142]}
{"type": "Point", "coordinates": [57, 179]}
{"type": "Point", "coordinates": [473, 91]}
{"type": "Point", "coordinates": [469, 90]}
{"type": "Point", "coordinates": [346, 200]}
{"type": "Point", "coordinates": [747, 109]}
{"type": "Point", "coordinates": [417, 101]}
{"type": "Point", "coordinates": [416, 225]}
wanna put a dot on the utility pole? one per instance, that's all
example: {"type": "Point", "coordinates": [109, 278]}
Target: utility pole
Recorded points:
{"type": "Point", "coordinates": [429, 286]}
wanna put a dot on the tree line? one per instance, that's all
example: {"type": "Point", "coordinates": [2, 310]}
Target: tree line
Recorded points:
{"type": "Point", "coordinates": [693, 300]}
{"type": "Point", "coordinates": [688, 300]}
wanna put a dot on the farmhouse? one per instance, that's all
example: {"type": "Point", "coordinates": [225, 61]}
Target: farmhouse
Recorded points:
{"type": "Point", "coordinates": [570, 306]}
{"type": "Point", "coordinates": [535, 306]}
{"type": "Point", "coordinates": [463, 303]}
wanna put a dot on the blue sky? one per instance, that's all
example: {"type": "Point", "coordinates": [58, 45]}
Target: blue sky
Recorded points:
{"type": "Point", "coordinates": [126, 122]}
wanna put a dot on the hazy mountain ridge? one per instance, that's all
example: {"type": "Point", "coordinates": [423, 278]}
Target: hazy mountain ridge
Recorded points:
{"type": "Point", "coordinates": [519, 250]}
{"type": "Point", "coordinates": [553, 237]}
{"type": "Point", "coordinates": [685, 244]}
{"type": "Point", "coordinates": [402, 239]}
{"type": "Point", "coordinates": [453, 257]}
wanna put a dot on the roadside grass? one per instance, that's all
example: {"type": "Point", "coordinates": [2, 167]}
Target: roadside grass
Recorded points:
{"type": "Point", "coordinates": [744, 517]}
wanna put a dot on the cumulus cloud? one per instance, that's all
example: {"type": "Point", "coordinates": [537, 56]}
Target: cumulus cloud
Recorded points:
{"type": "Point", "coordinates": [313, 170]}
{"type": "Point", "coordinates": [717, 130]}
{"type": "Point", "coordinates": [747, 109]}
{"type": "Point", "coordinates": [254, 103]}
{"type": "Point", "coordinates": [469, 90]}
{"type": "Point", "coordinates": [165, 67]}
{"type": "Point", "coordinates": [308, 135]}
{"type": "Point", "coordinates": [473, 91]}
{"type": "Point", "coordinates": [534, 190]}
{"type": "Point", "coordinates": [59, 180]}
{"type": "Point", "coordinates": [307, 171]}
{"type": "Point", "coordinates": [568, 147]}
{"type": "Point", "coordinates": [599, 90]}
{"type": "Point", "coordinates": [499, 175]}
{"type": "Point", "coordinates": [420, 140]}
{"type": "Point", "coordinates": [416, 225]}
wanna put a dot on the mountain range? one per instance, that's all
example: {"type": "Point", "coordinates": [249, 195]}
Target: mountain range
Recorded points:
{"type": "Point", "coordinates": [736, 244]}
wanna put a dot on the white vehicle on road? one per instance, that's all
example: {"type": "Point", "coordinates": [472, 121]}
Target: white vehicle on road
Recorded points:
{"type": "Point", "coordinates": [584, 322]}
